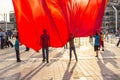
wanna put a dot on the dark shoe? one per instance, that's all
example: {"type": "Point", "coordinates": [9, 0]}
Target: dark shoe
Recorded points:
{"type": "Point", "coordinates": [37, 51]}
{"type": "Point", "coordinates": [26, 50]}
{"type": "Point", "coordinates": [76, 60]}
{"type": "Point", "coordinates": [102, 49]}
{"type": "Point", "coordinates": [47, 61]}
{"type": "Point", "coordinates": [96, 56]}
{"type": "Point", "coordinates": [18, 60]}
{"type": "Point", "coordinates": [43, 61]}
{"type": "Point", "coordinates": [70, 60]}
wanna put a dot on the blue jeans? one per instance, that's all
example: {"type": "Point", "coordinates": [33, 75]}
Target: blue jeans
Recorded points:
{"type": "Point", "coordinates": [45, 53]}
{"type": "Point", "coordinates": [73, 48]}
{"type": "Point", "coordinates": [17, 55]}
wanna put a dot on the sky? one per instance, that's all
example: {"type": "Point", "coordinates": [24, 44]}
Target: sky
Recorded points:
{"type": "Point", "coordinates": [5, 7]}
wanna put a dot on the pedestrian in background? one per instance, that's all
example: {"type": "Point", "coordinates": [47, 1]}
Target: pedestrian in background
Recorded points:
{"type": "Point", "coordinates": [91, 39]}
{"type": "Point", "coordinates": [106, 36]}
{"type": "Point", "coordinates": [45, 41]}
{"type": "Point", "coordinates": [97, 43]}
{"type": "Point", "coordinates": [2, 36]}
{"type": "Point", "coordinates": [119, 38]}
{"type": "Point", "coordinates": [102, 41]}
{"type": "Point", "coordinates": [72, 46]}
{"type": "Point", "coordinates": [17, 49]}
{"type": "Point", "coordinates": [65, 46]}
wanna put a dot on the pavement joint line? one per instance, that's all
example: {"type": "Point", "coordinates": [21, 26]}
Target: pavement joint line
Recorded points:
{"type": "Point", "coordinates": [80, 58]}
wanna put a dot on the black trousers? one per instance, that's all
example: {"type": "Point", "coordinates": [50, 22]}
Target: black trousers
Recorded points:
{"type": "Point", "coordinates": [2, 43]}
{"type": "Point", "coordinates": [45, 53]}
{"type": "Point", "coordinates": [27, 48]}
{"type": "Point", "coordinates": [73, 49]}
{"type": "Point", "coordinates": [17, 55]}
{"type": "Point", "coordinates": [65, 47]}
{"type": "Point", "coordinates": [118, 42]}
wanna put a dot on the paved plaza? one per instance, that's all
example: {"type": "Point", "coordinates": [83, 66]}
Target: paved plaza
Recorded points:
{"type": "Point", "coordinates": [88, 67]}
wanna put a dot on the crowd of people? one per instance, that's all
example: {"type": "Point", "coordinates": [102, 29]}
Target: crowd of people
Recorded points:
{"type": "Point", "coordinates": [98, 43]}
{"type": "Point", "coordinates": [4, 39]}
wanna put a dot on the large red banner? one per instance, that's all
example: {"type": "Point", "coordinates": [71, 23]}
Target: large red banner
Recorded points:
{"type": "Point", "coordinates": [59, 18]}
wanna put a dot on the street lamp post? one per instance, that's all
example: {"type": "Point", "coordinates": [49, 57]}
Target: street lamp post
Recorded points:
{"type": "Point", "coordinates": [6, 22]}
{"type": "Point", "coordinates": [115, 18]}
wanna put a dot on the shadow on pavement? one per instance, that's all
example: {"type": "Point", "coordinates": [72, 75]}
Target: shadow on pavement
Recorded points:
{"type": "Point", "coordinates": [108, 54]}
{"type": "Point", "coordinates": [6, 52]}
{"type": "Point", "coordinates": [68, 73]}
{"type": "Point", "coordinates": [56, 56]}
{"type": "Point", "coordinates": [33, 72]}
{"type": "Point", "coordinates": [106, 73]}
{"type": "Point", "coordinates": [10, 67]}
{"type": "Point", "coordinates": [13, 55]}
{"type": "Point", "coordinates": [15, 76]}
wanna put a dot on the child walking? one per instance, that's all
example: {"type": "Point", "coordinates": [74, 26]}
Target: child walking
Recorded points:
{"type": "Point", "coordinates": [97, 43]}
{"type": "Point", "coordinates": [17, 49]}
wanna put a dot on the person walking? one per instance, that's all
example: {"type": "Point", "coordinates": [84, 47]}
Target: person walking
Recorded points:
{"type": "Point", "coordinates": [118, 42]}
{"type": "Point", "coordinates": [106, 36]}
{"type": "Point", "coordinates": [65, 46]}
{"type": "Point", "coordinates": [72, 46]}
{"type": "Point", "coordinates": [91, 39]}
{"type": "Point", "coordinates": [119, 38]}
{"type": "Point", "coordinates": [45, 42]}
{"type": "Point", "coordinates": [1, 39]}
{"type": "Point", "coordinates": [17, 49]}
{"type": "Point", "coordinates": [2, 36]}
{"type": "Point", "coordinates": [102, 41]}
{"type": "Point", "coordinates": [96, 43]}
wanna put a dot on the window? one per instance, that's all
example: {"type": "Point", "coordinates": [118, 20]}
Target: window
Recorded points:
{"type": "Point", "coordinates": [111, 0]}
{"type": "Point", "coordinates": [119, 14]}
{"type": "Point", "coordinates": [107, 14]}
{"type": "Point", "coordinates": [111, 13]}
{"type": "Point", "coordinates": [115, 1]}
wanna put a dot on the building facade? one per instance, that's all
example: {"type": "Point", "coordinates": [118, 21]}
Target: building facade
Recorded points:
{"type": "Point", "coordinates": [111, 19]}
{"type": "Point", "coordinates": [13, 19]}
{"type": "Point", "coordinates": [8, 25]}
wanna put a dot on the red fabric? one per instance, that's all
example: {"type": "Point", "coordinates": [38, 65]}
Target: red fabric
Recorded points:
{"type": "Point", "coordinates": [59, 17]}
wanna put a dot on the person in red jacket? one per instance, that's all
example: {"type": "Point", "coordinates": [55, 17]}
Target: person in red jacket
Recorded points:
{"type": "Point", "coordinates": [102, 41]}
{"type": "Point", "coordinates": [45, 42]}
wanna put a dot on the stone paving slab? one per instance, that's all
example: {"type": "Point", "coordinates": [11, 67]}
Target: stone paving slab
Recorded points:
{"type": "Point", "coordinates": [88, 67]}
{"type": "Point", "coordinates": [92, 69]}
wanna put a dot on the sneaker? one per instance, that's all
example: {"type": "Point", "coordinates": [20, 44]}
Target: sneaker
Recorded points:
{"type": "Point", "coordinates": [43, 61]}
{"type": "Point", "coordinates": [76, 60]}
{"type": "Point", "coordinates": [96, 56]}
{"type": "Point", "coordinates": [37, 51]}
{"type": "Point", "coordinates": [26, 50]}
{"type": "Point", "coordinates": [70, 60]}
{"type": "Point", "coordinates": [47, 61]}
{"type": "Point", "coordinates": [18, 60]}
